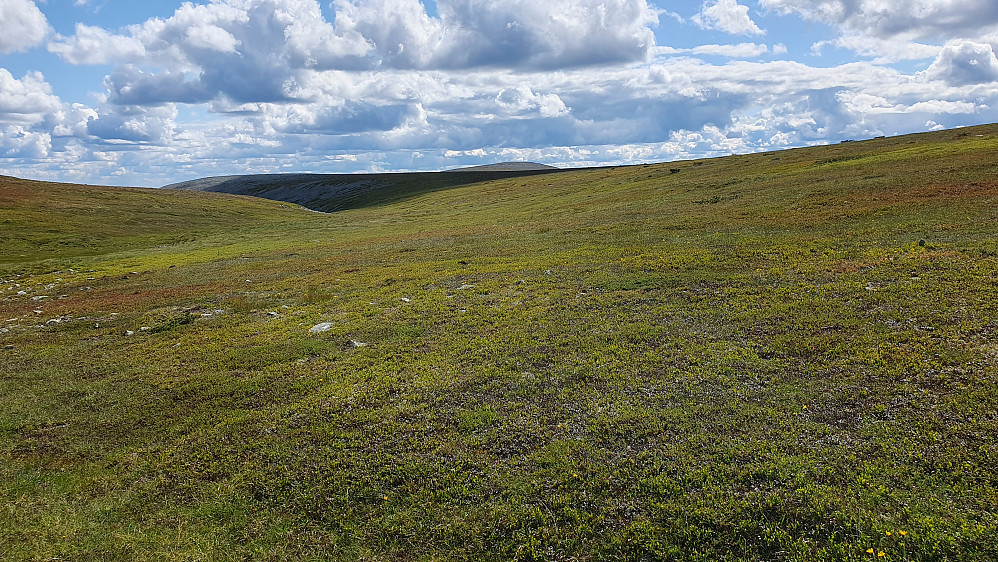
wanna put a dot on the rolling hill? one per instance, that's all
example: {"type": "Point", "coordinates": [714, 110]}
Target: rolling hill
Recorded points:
{"type": "Point", "coordinates": [779, 356]}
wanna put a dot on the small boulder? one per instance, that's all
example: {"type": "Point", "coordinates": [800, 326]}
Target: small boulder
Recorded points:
{"type": "Point", "coordinates": [320, 328]}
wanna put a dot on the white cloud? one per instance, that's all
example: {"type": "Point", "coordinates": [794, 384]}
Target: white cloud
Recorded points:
{"type": "Point", "coordinates": [740, 51]}
{"type": "Point", "coordinates": [134, 125]}
{"type": "Point", "coordinates": [520, 100]}
{"type": "Point", "coordinates": [23, 25]}
{"type": "Point", "coordinates": [379, 34]}
{"type": "Point", "coordinates": [18, 142]}
{"type": "Point", "coordinates": [728, 16]}
{"type": "Point", "coordinates": [882, 50]}
{"type": "Point", "coordinates": [93, 45]}
{"type": "Point", "coordinates": [911, 19]}
{"type": "Point", "coordinates": [26, 101]}
{"type": "Point", "coordinates": [965, 63]}
{"type": "Point", "coordinates": [550, 34]}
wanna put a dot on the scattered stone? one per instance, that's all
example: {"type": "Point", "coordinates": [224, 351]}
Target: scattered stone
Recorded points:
{"type": "Point", "coordinates": [355, 343]}
{"type": "Point", "coordinates": [272, 314]}
{"type": "Point", "coordinates": [145, 328]}
{"type": "Point", "coordinates": [464, 287]}
{"type": "Point", "coordinates": [40, 298]}
{"type": "Point", "coordinates": [320, 328]}
{"type": "Point", "coordinates": [129, 333]}
{"type": "Point", "coordinates": [406, 299]}
{"type": "Point", "coordinates": [22, 293]}
{"type": "Point", "coordinates": [54, 321]}
{"type": "Point", "coordinates": [37, 311]}
{"type": "Point", "coordinates": [547, 272]}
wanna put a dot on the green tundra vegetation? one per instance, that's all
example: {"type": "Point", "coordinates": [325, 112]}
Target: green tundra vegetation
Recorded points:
{"type": "Point", "coordinates": [780, 356]}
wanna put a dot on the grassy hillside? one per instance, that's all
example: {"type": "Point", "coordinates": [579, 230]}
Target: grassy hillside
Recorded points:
{"type": "Point", "coordinates": [782, 356]}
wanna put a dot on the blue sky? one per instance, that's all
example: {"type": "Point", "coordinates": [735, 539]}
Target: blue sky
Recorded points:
{"type": "Point", "coordinates": [153, 92]}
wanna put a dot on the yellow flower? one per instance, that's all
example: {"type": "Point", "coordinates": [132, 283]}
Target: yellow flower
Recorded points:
{"type": "Point", "coordinates": [888, 533]}
{"type": "Point", "coordinates": [881, 554]}
{"type": "Point", "coordinates": [869, 551]}
{"type": "Point", "coordinates": [903, 533]}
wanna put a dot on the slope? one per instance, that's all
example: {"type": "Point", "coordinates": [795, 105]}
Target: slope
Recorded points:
{"type": "Point", "coordinates": [777, 356]}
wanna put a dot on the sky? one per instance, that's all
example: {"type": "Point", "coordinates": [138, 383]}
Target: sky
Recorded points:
{"type": "Point", "coordinates": [147, 93]}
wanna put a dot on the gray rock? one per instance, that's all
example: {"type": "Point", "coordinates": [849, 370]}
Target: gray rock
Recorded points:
{"type": "Point", "coordinates": [320, 328]}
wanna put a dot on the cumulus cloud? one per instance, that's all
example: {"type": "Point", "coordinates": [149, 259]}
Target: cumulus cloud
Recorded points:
{"type": "Point", "coordinates": [26, 101]}
{"type": "Point", "coordinates": [965, 63]}
{"type": "Point", "coordinates": [728, 16]}
{"type": "Point", "coordinates": [380, 34]}
{"type": "Point", "coordinates": [521, 100]}
{"type": "Point", "coordinates": [18, 142]}
{"type": "Point", "coordinates": [132, 124]}
{"type": "Point", "coordinates": [238, 54]}
{"type": "Point", "coordinates": [740, 51]}
{"type": "Point", "coordinates": [245, 50]}
{"type": "Point", "coordinates": [129, 85]}
{"type": "Point", "coordinates": [544, 35]}
{"type": "Point", "coordinates": [916, 19]}
{"type": "Point", "coordinates": [23, 24]}
{"type": "Point", "coordinates": [93, 45]}
{"type": "Point", "coordinates": [350, 117]}
{"type": "Point", "coordinates": [882, 50]}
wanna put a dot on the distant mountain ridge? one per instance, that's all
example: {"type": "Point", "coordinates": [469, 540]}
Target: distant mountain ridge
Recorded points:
{"type": "Point", "coordinates": [507, 167]}
{"type": "Point", "coordinates": [334, 192]}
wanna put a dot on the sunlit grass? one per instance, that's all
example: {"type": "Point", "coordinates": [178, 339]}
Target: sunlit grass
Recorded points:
{"type": "Point", "coordinates": [778, 356]}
